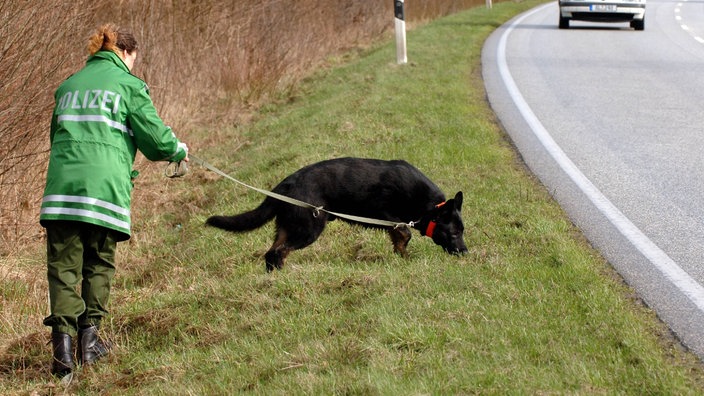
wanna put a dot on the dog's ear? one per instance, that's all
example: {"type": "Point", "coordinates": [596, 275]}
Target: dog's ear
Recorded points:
{"type": "Point", "coordinates": [458, 201]}
{"type": "Point", "coordinates": [446, 210]}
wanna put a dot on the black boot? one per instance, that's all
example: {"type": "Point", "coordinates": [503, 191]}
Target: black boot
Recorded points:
{"type": "Point", "coordinates": [90, 346]}
{"type": "Point", "coordinates": [62, 364]}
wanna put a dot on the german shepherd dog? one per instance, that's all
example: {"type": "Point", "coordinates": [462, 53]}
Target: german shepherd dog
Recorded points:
{"type": "Point", "coordinates": [386, 190]}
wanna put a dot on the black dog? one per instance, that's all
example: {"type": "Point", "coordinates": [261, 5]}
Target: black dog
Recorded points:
{"type": "Point", "coordinates": [385, 190]}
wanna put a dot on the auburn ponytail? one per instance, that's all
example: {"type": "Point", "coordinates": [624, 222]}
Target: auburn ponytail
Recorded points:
{"type": "Point", "coordinates": [110, 37]}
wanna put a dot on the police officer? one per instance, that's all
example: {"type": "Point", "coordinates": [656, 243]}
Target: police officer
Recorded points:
{"type": "Point", "coordinates": [103, 115]}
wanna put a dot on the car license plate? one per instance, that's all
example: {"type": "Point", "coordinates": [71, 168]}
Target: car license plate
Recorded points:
{"type": "Point", "coordinates": [603, 7]}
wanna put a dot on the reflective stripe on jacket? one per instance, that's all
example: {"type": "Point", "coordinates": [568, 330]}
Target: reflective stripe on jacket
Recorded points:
{"type": "Point", "coordinates": [102, 116]}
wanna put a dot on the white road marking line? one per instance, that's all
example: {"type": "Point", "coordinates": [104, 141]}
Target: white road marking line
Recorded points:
{"type": "Point", "coordinates": [684, 27]}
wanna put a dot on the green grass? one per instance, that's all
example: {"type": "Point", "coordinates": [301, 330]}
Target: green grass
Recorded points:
{"type": "Point", "coordinates": [531, 309]}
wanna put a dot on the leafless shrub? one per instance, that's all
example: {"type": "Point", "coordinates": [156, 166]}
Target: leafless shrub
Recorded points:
{"type": "Point", "coordinates": [35, 52]}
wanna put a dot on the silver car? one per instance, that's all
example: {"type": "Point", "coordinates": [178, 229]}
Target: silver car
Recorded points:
{"type": "Point", "coordinates": [632, 11]}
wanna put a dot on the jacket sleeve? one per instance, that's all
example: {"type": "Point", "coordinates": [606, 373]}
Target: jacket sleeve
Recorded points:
{"type": "Point", "coordinates": [154, 139]}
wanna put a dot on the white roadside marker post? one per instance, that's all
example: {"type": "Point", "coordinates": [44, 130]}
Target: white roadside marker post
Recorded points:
{"type": "Point", "coordinates": [400, 26]}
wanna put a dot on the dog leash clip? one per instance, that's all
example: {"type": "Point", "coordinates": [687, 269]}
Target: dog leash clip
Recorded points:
{"type": "Point", "coordinates": [176, 169]}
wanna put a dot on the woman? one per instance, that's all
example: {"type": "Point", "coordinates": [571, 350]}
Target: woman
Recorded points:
{"type": "Point", "coordinates": [103, 115]}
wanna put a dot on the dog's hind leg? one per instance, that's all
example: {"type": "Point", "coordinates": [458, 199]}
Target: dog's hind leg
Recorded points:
{"type": "Point", "coordinates": [290, 237]}
{"type": "Point", "coordinates": [277, 252]}
{"type": "Point", "coordinates": [275, 258]}
{"type": "Point", "coordinates": [400, 237]}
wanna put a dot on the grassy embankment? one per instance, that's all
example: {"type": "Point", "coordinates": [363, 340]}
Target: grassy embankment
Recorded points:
{"type": "Point", "coordinates": [531, 309]}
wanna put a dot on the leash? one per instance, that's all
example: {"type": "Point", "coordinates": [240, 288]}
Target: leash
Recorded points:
{"type": "Point", "coordinates": [175, 171]}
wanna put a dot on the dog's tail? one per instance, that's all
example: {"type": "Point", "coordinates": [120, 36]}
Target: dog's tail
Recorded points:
{"type": "Point", "coordinates": [246, 221]}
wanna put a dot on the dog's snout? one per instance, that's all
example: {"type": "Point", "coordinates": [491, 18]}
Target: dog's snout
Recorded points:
{"type": "Point", "coordinates": [457, 250]}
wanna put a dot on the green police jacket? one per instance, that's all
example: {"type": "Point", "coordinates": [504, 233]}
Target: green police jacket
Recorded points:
{"type": "Point", "coordinates": [103, 115]}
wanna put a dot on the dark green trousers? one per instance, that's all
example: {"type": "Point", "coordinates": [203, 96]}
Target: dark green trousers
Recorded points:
{"type": "Point", "coordinates": [78, 254]}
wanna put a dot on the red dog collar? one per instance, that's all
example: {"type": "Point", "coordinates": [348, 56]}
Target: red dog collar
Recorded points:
{"type": "Point", "coordinates": [430, 229]}
{"type": "Point", "coordinates": [431, 225]}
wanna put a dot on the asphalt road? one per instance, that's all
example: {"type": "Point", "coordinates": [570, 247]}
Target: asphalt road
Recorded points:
{"type": "Point", "coordinates": [612, 122]}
